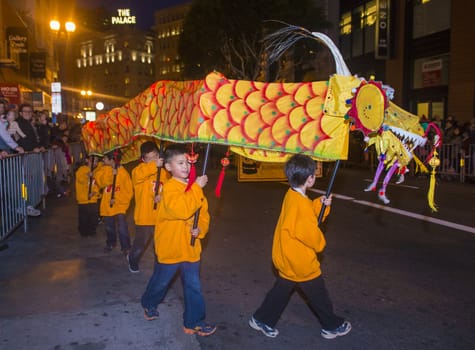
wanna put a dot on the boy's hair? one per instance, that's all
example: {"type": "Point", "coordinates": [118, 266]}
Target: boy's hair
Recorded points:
{"type": "Point", "coordinates": [116, 155]}
{"type": "Point", "coordinates": [173, 150]}
{"type": "Point", "coordinates": [298, 168]}
{"type": "Point", "coordinates": [147, 147]}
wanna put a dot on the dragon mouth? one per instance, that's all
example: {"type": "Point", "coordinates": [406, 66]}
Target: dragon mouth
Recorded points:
{"type": "Point", "coordinates": [409, 140]}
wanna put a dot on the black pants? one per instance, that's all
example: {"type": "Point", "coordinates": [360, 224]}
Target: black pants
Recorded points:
{"type": "Point", "coordinates": [143, 236]}
{"type": "Point", "coordinates": [88, 218]}
{"type": "Point", "coordinates": [278, 297]}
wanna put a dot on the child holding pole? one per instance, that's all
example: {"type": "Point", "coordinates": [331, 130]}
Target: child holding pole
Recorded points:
{"type": "Point", "coordinates": [87, 195]}
{"type": "Point", "coordinates": [297, 240]}
{"type": "Point", "coordinates": [147, 178]}
{"type": "Point", "coordinates": [116, 196]}
{"type": "Point", "coordinates": [173, 230]}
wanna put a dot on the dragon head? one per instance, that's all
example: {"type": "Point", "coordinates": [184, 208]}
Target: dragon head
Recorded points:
{"type": "Point", "coordinates": [394, 131]}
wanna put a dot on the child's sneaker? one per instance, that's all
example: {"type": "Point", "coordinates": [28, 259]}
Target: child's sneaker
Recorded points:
{"type": "Point", "coordinates": [150, 314]}
{"type": "Point", "coordinates": [344, 329]}
{"type": "Point", "coordinates": [202, 330]}
{"type": "Point", "coordinates": [132, 268]}
{"type": "Point", "coordinates": [259, 326]}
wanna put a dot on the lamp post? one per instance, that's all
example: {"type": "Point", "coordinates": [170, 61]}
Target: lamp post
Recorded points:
{"type": "Point", "coordinates": [61, 31]}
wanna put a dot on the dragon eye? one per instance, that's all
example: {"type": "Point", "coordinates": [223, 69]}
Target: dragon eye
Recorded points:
{"type": "Point", "coordinates": [370, 103]}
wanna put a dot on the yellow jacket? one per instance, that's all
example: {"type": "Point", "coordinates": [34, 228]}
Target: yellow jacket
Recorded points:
{"type": "Point", "coordinates": [297, 238]}
{"type": "Point", "coordinates": [175, 220]}
{"type": "Point", "coordinates": [144, 178]}
{"type": "Point", "coordinates": [82, 185]}
{"type": "Point", "coordinates": [123, 190]}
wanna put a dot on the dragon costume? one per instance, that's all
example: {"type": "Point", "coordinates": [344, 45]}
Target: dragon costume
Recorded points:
{"type": "Point", "coordinates": [267, 121]}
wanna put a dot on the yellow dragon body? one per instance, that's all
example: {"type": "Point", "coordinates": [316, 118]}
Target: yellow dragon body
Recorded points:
{"type": "Point", "coordinates": [264, 121]}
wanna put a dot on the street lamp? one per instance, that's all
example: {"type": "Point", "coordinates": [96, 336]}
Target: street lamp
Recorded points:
{"type": "Point", "coordinates": [69, 26]}
{"type": "Point", "coordinates": [61, 31]}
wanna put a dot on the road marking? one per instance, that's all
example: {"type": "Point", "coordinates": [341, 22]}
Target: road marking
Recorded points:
{"type": "Point", "coordinates": [399, 185]}
{"type": "Point", "coordinates": [403, 212]}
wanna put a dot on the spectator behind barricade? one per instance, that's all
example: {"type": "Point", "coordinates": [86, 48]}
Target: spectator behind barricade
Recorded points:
{"type": "Point", "coordinates": [75, 146]}
{"type": "Point", "coordinates": [59, 177]}
{"type": "Point", "coordinates": [7, 144]}
{"type": "Point", "coordinates": [12, 125]}
{"type": "Point", "coordinates": [44, 129]}
{"type": "Point", "coordinates": [30, 142]}
{"type": "Point", "coordinates": [472, 147]}
{"type": "Point", "coordinates": [3, 109]}
{"type": "Point", "coordinates": [60, 130]}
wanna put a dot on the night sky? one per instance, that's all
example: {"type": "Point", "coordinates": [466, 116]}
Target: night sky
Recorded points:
{"type": "Point", "coordinates": [142, 9]}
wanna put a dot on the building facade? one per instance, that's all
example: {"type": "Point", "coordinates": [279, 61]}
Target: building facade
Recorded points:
{"type": "Point", "coordinates": [114, 66]}
{"type": "Point", "coordinates": [419, 47]}
{"type": "Point", "coordinates": [168, 27]}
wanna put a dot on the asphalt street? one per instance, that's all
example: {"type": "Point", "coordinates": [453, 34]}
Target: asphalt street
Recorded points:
{"type": "Point", "coordinates": [401, 274]}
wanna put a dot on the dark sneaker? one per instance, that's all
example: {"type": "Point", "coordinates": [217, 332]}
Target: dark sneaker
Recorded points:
{"type": "Point", "coordinates": [259, 326]}
{"type": "Point", "coordinates": [150, 314]}
{"type": "Point", "coordinates": [344, 329]}
{"type": "Point", "coordinates": [203, 330]}
{"type": "Point", "coordinates": [133, 269]}
{"type": "Point", "coordinates": [108, 248]}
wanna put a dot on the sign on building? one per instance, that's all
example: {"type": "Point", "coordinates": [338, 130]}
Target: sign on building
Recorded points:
{"type": "Point", "coordinates": [383, 32]}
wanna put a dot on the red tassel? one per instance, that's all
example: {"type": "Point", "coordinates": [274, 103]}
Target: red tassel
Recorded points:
{"type": "Point", "coordinates": [219, 184]}
{"type": "Point", "coordinates": [191, 177]}
{"type": "Point", "coordinates": [192, 159]}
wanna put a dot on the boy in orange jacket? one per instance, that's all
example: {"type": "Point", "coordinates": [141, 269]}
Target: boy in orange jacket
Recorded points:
{"type": "Point", "coordinates": [116, 196]}
{"type": "Point", "coordinates": [173, 232]}
{"type": "Point", "coordinates": [87, 196]}
{"type": "Point", "coordinates": [144, 180]}
{"type": "Point", "coordinates": [297, 240]}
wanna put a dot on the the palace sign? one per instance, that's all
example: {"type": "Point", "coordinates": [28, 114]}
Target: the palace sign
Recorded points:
{"type": "Point", "coordinates": [123, 17]}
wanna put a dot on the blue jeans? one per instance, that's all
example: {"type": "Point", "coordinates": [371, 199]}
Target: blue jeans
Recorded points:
{"type": "Point", "coordinates": [157, 288]}
{"type": "Point", "coordinates": [122, 228]}
{"type": "Point", "coordinates": [143, 236]}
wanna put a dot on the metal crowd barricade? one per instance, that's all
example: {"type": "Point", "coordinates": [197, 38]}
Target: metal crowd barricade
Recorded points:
{"type": "Point", "coordinates": [22, 183]}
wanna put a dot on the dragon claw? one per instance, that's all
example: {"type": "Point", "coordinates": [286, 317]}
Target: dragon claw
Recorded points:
{"type": "Point", "coordinates": [371, 187]}
{"type": "Point", "coordinates": [382, 196]}
{"type": "Point", "coordinates": [400, 180]}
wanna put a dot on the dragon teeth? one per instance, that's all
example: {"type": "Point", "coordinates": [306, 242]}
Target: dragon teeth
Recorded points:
{"type": "Point", "coordinates": [406, 136]}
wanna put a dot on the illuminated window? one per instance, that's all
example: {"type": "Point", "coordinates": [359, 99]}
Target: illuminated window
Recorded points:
{"type": "Point", "coordinates": [345, 24]}
{"type": "Point", "coordinates": [133, 55]}
{"type": "Point", "coordinates": [357, 30]}
{"type": "Point", "coordinates": [78, 63]}
{"type": "Point", "coordinates": [370, 14]}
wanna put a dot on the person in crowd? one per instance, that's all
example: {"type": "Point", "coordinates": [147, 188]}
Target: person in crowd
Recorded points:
{"type": "Point", "coordinates": [87, 196]}
{"type": "Point", "coordinates": [7, 144]}
{"type": "Point", "coordinates": [30, 142]}
{"type": "Point", "coordinates": [3, 109]}
{"type": "Point", "coordinates": [174, 230]}
{"type": "Point", "coordinates": [43, 129]}
{"type": "Point", "coordinates": [12, 125]}
{"type": "Point", "coordinates": [147, 196]}
{"type": "Point", "coordinates": [60, 130]}
{"type": "Point", "coordinates": [297, 241]}
{"type": "Point", "coordinates": [117, 192]}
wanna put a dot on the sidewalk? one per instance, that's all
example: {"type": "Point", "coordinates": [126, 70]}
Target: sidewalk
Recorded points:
{"type": "Point", "coordinates": [60, 291]}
